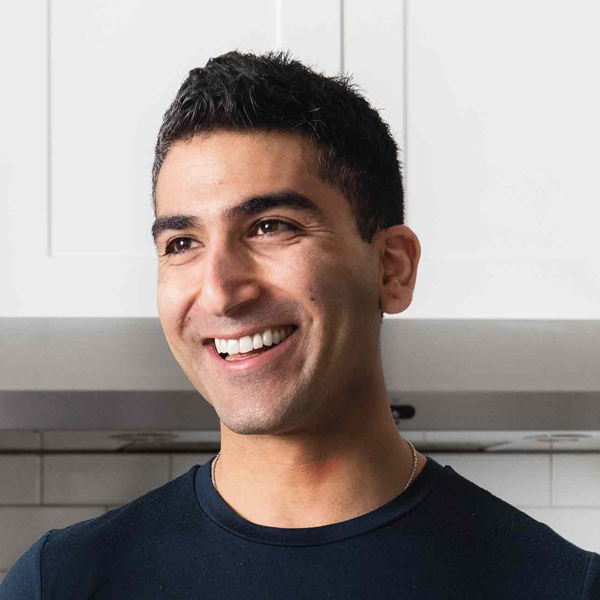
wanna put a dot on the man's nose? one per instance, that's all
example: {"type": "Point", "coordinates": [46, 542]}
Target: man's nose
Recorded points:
{"type": "Point", "coordinates": [228, 279]}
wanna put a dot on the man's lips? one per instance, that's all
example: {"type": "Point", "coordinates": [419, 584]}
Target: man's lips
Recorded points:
{"type": "Point", "coordinates": [249, 331]}
{"type": "Point", "coordinates": [251, 363]}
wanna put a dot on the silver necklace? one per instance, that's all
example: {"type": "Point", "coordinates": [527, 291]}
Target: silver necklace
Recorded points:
{"type": "Point", "coordinates": [410, 479]}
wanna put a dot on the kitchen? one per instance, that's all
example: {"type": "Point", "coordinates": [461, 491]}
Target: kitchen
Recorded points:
{"type": "Point", "coordinates": [492, 370]}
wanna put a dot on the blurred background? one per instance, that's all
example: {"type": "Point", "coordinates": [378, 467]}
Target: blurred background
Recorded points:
{"type": "Point", "coordinates": [495, 107]}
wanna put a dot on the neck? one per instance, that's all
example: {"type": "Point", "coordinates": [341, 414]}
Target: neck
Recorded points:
{"type": "Point", "coordinates": [296, 481]}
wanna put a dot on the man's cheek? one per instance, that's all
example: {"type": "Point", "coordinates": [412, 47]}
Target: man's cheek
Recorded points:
{"type": "Point", "coordinates": [172, 298]}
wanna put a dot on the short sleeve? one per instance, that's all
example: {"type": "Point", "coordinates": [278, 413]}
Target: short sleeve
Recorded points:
{"type": "Point", "coordinates": [23, 581]}
{"type": "Point", "coordinates": [591, 588]}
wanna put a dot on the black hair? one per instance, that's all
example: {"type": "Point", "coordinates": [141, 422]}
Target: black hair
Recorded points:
{"type": "Point", "coordinates": [273, 92]}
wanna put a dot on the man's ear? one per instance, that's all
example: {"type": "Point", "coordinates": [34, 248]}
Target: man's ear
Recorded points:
{"type": "Point", "coordinates": [399, 254]}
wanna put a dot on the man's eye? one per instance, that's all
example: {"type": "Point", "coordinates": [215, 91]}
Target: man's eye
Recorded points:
{"type": "Point", "coordinates": [267, 226]}
{"type": "Point", "coordinates": [180, 245]}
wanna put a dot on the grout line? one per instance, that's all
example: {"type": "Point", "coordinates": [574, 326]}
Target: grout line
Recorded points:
{"type": "Point", "coordinates": [552, 499]}
{"type": "Point", "coordinates": [41, 476]}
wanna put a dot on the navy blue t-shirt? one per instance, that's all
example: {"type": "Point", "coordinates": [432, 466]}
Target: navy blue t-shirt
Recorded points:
{"type": "Point", "coordinates": [444, 538]}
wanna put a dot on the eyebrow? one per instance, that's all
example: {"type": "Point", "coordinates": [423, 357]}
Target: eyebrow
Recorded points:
{"type": "Point", "coordinates": [250, 206]}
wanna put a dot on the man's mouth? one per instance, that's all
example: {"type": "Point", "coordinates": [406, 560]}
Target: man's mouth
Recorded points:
{"type": "Point", "coordinates": [249, 346]}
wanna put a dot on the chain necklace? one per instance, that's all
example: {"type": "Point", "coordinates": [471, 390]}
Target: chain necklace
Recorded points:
{"type": "Point", "coordinates": [410, 479]}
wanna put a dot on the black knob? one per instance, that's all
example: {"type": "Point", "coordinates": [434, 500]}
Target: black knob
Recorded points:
{"type": "Point", "coordinates": [403, 411]}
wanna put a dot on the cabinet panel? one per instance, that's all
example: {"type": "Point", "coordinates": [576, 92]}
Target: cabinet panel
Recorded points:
{"type": "Point", "coordinates": [501, 142]}
{"type": "Point", "coordinates": [312, 30]}
{"type": "Point", "coordinates": [23, 134]}
{"type": "Point", "coordinates": [93, 81]}
{"type": "Point", "coordinates": [374, 55]}
{"type": "Point", "coordinates": [502, 157]}
{"type": "Point", "coordinates": [113, 75]}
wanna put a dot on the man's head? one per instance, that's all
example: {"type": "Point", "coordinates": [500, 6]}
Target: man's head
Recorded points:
{"type": "Point", "coordinates": [278, 199]}
{"type": "Point", "coordinates": [244, 92]}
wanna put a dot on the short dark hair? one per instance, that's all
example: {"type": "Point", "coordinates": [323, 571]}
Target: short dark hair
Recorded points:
{"type": "Point", "coordinates": [242, 91]}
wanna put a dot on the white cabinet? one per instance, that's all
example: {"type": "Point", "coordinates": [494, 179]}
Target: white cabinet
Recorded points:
{"type": "Point", "coordinates": [503, 133]}
{"type": "Point", "coordinates": [501, 144]}
{"type": "Point", "coordinates": [88, 83]}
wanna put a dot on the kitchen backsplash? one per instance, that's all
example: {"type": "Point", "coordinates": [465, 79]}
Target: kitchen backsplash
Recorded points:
{"type": "Point", "coordinates": [39, 492]}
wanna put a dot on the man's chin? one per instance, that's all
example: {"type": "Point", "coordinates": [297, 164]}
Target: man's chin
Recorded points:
{"type": "Point", "coordinates": [245, 428]}
{"type": "Point", "coordinates": [255, 423]}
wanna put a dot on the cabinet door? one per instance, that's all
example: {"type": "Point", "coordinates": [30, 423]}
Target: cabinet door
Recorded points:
{"type": "Point", "coordinates": [373, 43]}
{"type": "Point", "coordinates": [502, 157]}
{"type": "Point", "coordinates": [88, 83]}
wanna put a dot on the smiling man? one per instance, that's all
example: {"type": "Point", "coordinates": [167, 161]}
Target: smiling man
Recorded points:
{"type": "Point", "coordinates": [281, 241]}
{"type": "Point", "coordinates": [269, 300]}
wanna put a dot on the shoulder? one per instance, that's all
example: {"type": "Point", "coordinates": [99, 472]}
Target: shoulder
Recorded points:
{"type": "Point", "coordinates": [23, 581]}
{"type": "Point", "coordinates": [591, 589]}
{"type": "Point", "coordinates": [149, 514]}
{"type": "Point", "coordinates": [99, 545]}
{"type": "Point", "coordinates": [477, 512]}
{"type": "Point", "coordinates": [503, 539]}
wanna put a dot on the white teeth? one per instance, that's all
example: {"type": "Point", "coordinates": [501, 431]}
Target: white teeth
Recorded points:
{"type": "Point", "coordinates": [268, 337]}
{"type": "Point", "coordinates": [233, 346]}
{"type": "Point", "coordinates": [246, 344]}
{"type": "Point", "coordinates": [257, 341]}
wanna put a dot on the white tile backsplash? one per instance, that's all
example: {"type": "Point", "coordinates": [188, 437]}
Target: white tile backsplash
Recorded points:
{"type": "Point", "coordinates": [581, 526]}
{"type": "Point", "coordinates": [184, 462]}
{"type": "Point", "coordinates": [519, 479]}
{"type": "Point", "coordinates": [101, 478]}
{"type": "Point", "coordinates": [576, 480]}
{"type": "Point", "coordinates": [23, 473]}
{"type": "Point", "coordinates": [83, 486]}
{"type": "Point", "coordinates": [20, 527]}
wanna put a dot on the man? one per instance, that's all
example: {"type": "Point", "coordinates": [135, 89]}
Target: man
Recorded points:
{"type": "Point", "coordinates": [280, 238]}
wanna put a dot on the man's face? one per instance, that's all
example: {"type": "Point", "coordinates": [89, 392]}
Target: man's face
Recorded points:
{"type": "Point", "coordinates": [231, 275]}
